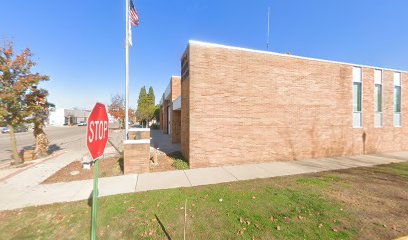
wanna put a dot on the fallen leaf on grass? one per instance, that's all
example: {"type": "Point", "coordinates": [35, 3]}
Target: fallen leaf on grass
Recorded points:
{"type": "Point", "coordinates": [241, 220]}
{"type": "Point", "coordinates": [335, 230]}
{"type": "Point", "coordinates": [278, 228]}
{"type": "Point", "coordinates": [320, 225]}
{"type": "Point", "coordinates": [253, 197]}
{"type": "Point", "coordinates": [131, 209]}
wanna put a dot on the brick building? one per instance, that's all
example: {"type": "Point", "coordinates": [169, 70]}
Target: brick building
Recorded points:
{"type": "Point", "coordinates": [170, 111]}
{"type": "Point", "coordinates": [246, 106]}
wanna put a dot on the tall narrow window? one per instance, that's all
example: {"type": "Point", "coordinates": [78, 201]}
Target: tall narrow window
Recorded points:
{"type": "Point", "coordinates": [397, 99]}
{"type": "Point", "coordinates": [357, 98]}
{"type": "Point", "coordinates": [378, 98]}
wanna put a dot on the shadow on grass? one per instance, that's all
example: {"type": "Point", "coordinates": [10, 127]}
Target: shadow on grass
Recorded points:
{"type": "Point", "coordinates": [162, 227]}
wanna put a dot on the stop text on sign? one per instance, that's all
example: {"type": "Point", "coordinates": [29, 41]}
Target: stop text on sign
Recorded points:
{"type": "Point", "coordinates": [97, 130]}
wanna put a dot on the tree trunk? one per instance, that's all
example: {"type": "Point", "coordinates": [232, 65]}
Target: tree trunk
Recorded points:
{"type": "Point", "coordinates": [14, 153]}
{"type": "Point", "coordinates": [41, 141]}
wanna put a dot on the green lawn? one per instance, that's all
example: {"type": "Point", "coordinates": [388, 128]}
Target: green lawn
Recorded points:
{"type": "Point", "coordinates": [313, 206]}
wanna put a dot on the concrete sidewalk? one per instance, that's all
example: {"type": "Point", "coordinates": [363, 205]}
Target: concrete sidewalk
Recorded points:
{"type": "Point", "coordinates": [19, 192]}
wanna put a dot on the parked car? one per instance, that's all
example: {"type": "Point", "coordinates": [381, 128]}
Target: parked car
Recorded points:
{"type": "Point", "coordinates": [16, 129]}
{"type": "Point", "coordinates": [82, 123]}
{"type": "Point", "coordinates": [5, 130]}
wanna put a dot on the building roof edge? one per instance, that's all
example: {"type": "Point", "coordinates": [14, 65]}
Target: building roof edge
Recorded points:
{"type": "Point", "coordinates": [287, 55]}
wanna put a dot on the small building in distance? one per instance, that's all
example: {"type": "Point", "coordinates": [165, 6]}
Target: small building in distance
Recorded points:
{"type": "Point", "coordinates": [62, 116]}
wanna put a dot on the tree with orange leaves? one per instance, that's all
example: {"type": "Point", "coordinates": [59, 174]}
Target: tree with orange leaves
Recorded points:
{"type": "Point", "coordinates": [117, 109]}
{"type": "Point", "coordinates": [18, 92]}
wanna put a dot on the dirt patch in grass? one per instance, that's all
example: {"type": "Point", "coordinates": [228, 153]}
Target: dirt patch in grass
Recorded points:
{"type": "Point", "coordinates": [379, 198]}
{"type": "Point", "coordinates": [376, 196]}
{"type": "Point", "coordinates": [112, 166]}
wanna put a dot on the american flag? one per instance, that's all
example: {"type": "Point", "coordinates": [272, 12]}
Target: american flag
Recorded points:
{"type": "Point", "coordinates": [133, 17]}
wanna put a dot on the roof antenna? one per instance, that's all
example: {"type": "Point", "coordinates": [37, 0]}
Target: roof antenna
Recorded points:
{"type": "Point", "coordinates": [267, 42]}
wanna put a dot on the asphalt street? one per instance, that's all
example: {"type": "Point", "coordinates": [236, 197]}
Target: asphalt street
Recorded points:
{"type": "Point", "coordinates": [68, 138]}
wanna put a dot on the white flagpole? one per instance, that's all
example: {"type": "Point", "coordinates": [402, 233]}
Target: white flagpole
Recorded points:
{"type": "Point", "coordinates": [127, 72]}
{"type": "Point", "coordinates": [267, 43]}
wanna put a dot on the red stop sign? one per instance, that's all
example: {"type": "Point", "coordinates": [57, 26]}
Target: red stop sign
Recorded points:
{"type": "Point", "coordinates": [97, 131]}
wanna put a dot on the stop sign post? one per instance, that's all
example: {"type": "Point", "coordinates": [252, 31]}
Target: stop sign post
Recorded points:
{"type": "Point", "coordinates": [96, 138]}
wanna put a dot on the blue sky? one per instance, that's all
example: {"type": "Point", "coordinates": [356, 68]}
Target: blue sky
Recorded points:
{"type": "Point", "coordinates": [80, 43]}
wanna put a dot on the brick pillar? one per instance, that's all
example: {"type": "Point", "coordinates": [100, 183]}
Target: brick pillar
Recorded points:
{"type": "Point", "coordinates": [176, 126]}
{"type": "Point", "coordinates": [137, 151]}
{"type": "Point", "coordinates": [139, 133]}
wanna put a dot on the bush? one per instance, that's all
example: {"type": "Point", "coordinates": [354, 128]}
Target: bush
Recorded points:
{"type": "Point", "coordinates": [179, 162]}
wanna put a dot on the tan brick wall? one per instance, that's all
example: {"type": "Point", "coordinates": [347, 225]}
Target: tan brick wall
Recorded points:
{"type": "Point", "coordinates": [175, 120]}
{"type": "Point", "coordinates": [176, 126]}
{"type": "Point", "coordinates": [242, 107]}
{"type": "Point", "coordinates": [185, 115]}
{"type": "Point", "coordinates": [175, 87]}
{"type": "Point", "coordinates": [165, 125]}
{"type": "Point", "coordinates": [175, 92]}
{"type": "Point", "coordinates": [136, 158]}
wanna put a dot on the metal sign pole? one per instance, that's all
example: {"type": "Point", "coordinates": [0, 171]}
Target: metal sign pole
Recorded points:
{"type": "Point", "coordinates": [95, 199]}
{"type": "Point", "coordinates": [127, 72]}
